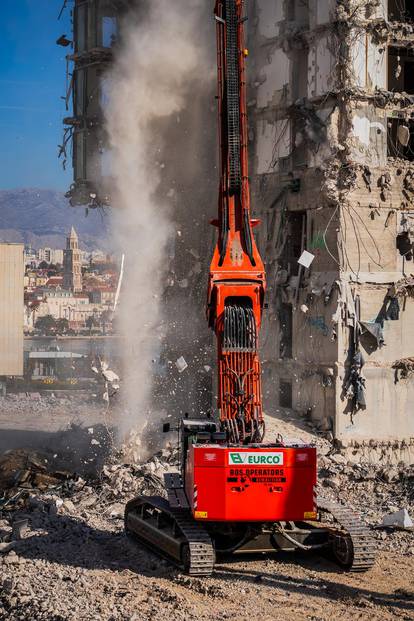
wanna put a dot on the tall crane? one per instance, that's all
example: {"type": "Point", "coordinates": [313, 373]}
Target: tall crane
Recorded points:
{"type": "Point", "coordinates": [234, 492]}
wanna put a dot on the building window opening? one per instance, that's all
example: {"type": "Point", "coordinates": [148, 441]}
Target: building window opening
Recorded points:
{"type": "Point", "coordinates": [400, 11]}
{"type": "Point", "coordinates": [298, 11]}
{"type": "Point", "coordinates": [401, 70]}
{"type": "Point", "coordinates": [81, 28]}
{"type": "Point", "coordinates": [286, 331]}
{"type": "Point", "coordinates": [109, 31]}
{"type": "Point", "coordinates": [285, 394]}
{"type": "Point", "coordinates": [79, 93]}
{"type": "Point", "coordinates": [400, 138]}
{"type": "Point", "coordinates": [300, 72]}
{"type": "Point", "coordinates": [295, 242]}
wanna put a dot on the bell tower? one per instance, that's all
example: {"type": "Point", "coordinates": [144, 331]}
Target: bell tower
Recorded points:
{"type": "Point", "coordinates": [72, 264]}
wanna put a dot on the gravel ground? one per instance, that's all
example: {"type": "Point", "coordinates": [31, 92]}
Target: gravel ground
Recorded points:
{"type": "Point", "coordinates": [69, 559]}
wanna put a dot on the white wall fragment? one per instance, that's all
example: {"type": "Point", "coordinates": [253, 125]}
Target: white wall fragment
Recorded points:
{"type": "Point", "coordinates": [274, 84]}
{"type": "Point", "coordinates": [270, 15]}
{"type": "Point", "coordinates": [273, 142]}
{"type": "Point", "coordinates": [321, 63]}
{"type": "Point", "coordinates": [361, 126]}
{"type": "Point", "coordinates": [359, 59]}
{"type": "Point", "coordinates": [376, 66]}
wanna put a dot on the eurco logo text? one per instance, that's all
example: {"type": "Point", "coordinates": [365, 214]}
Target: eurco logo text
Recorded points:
{"type": "Point", "coordinates": [256, 458]}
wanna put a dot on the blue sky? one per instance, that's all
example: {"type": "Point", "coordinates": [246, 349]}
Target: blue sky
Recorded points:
{"type": "Point", "coordinates": [32, 81]}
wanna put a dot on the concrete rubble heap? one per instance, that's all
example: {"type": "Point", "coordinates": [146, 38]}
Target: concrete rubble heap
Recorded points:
{"type": "Point", "coordinates": [67, 533]}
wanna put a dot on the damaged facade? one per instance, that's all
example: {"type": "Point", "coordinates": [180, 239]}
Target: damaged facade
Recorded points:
{"type": "Point", "coordinates": [96, 26]}
{"type": "Point", "coordinates": [332, 143]}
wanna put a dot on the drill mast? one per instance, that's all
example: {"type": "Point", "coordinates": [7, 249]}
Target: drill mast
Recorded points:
{"type": "Point", "coordinates": [237, 279]}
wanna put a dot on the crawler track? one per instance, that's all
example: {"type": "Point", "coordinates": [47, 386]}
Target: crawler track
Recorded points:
{"type": "Point", "coordinates": [356, 549]}
{"type": "Point", "coordinates": [172, 533]}
{"type": "Point", "coordinates": [199, 556]}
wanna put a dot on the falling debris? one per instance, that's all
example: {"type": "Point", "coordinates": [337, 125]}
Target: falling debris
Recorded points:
{"type": "Point", "coordinates": [109, 377]}
{"type": "Point", "coordinates": [306, 259]}
{"type": "Point", "coordinates": [403, 135]}
{"type": "Point", "coordinates": [181, 364]}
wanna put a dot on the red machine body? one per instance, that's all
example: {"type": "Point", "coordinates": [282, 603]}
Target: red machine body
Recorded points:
{"type": "Point", "coordinates": [266, 484]}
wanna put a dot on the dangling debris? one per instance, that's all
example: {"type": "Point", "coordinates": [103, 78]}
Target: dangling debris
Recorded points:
{"type": "Point", "coordinates": [355, 387]}
{"type": "Point", "coordinates": [404, 368]}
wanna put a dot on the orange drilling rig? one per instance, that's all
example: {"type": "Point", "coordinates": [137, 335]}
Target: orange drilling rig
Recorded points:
{"type": "Point", "coordinates": [236, 493]}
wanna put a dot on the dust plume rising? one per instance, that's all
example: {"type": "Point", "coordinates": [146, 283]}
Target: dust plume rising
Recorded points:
{"type": "Point", "coordinates": [159, 56]}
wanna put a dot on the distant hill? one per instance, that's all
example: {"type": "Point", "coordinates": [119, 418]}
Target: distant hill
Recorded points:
{"type": "Point", "coordinates": [44, 217]}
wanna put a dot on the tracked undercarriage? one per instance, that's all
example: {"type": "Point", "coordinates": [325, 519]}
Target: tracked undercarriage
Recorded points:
{"type": "Point", "coordinates": [168, 528]}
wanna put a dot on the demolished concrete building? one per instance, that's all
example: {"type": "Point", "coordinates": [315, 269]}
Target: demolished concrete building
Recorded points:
{"type": "Point", "coordinates": [332, 109]}
{"type": "Point", "coordinates": [95, 26]}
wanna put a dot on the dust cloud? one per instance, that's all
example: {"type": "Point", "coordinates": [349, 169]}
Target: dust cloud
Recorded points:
{"type": "Point", "coordinates": [161, 54]}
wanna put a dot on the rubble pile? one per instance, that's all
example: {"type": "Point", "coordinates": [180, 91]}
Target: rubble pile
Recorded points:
{"type": "Point", "coordinates": [27, 480]}
{"type": "Point", "coordinates": [27, 483]}
{"type": "Point", "coordinates": [59, 528]}
{"type": "Point", "coordinates": [64, 533]}
{"type": "Point", "coordinates": [22, 471]}
{"type": "Point", "coordinates": [21, 401]}
{"type": "Point", "coordinates": [375, 490]}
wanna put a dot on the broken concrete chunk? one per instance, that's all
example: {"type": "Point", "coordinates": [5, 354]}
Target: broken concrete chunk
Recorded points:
{"type": "Point", "coordinates": [403, 134]}
{"type": "Point", "coordinates": [337, 458]}
{"type": "Point", "coordinates": [390, 474]}
{"type": "Point", "coordinates": [68, 506]}
{"type": "Point", "coordinates": [398, 519]}
{"type": "Point", "coordinates": [19, 529]}
{"type": "Point", "coordinates": [54, 505]}
{"type": "Point", "coordinates": [117, 511]}
{"type": "Point", "coordinates": [6, 547]}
